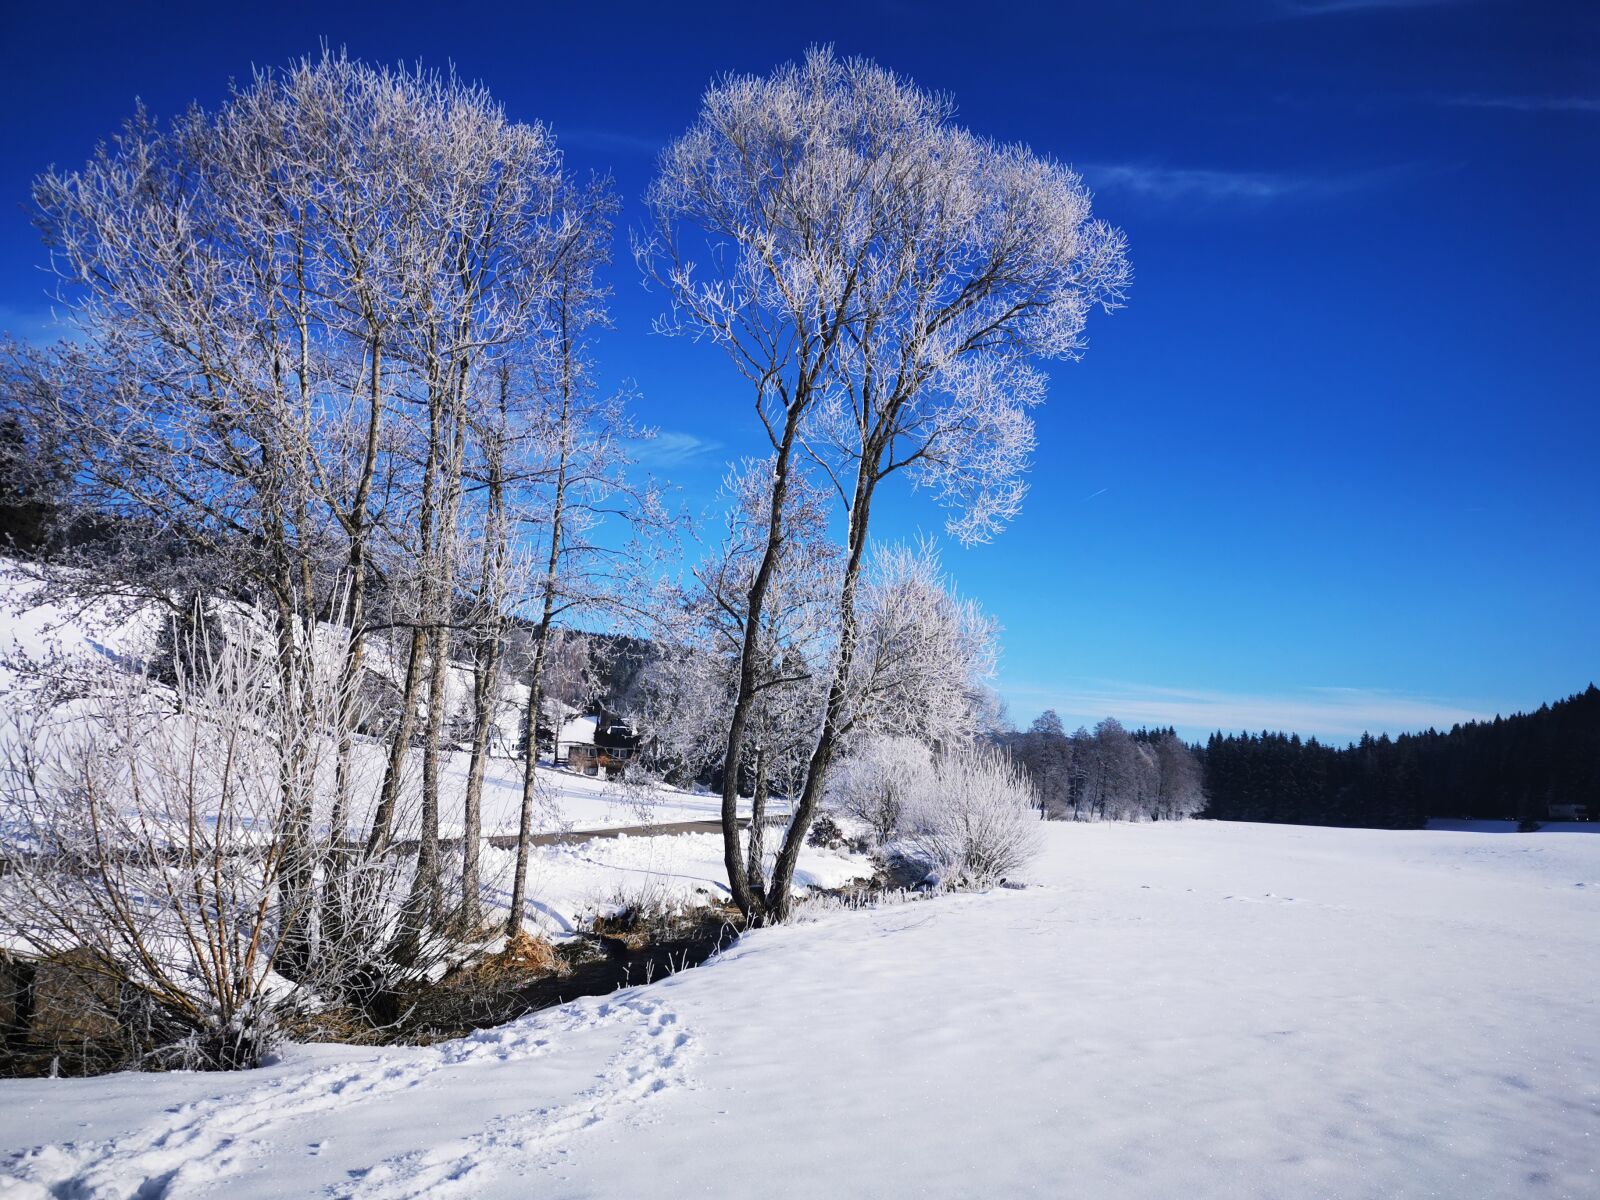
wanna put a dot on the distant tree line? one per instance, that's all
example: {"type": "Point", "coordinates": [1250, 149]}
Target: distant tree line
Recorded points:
{"type": "Point", "coordinates": [1109, 774]}
{"type": "Point", "coordinates": [1512, 767]}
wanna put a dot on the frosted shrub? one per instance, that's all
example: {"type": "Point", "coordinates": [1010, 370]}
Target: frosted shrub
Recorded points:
{"type": "Point", "coordinates": [877, 783]}
{"type": "Point", "coordinates": [978, 822]}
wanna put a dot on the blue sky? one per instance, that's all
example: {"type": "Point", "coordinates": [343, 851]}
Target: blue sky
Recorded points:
{"type": "Point", "coordinates": [1336, 466]}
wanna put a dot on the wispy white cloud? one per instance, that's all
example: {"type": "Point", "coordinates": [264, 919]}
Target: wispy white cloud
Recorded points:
{"type": "Point", "coordinates": [1175, 184]}
{"type": "Point", "coordinates": [1574, 104]}
{"type": "Point", "coordinates": [1212, 187]}
{"type": "Point", "coordinates": [42, 326]}
{"type": "Point", "coordinates": [1335, 8]}
{"type": "Point", "coordinates": [672, 448]}
{"type": "Point", "coordinates": [1331, 713]}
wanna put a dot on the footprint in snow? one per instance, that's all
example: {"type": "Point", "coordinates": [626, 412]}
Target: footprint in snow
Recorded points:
{"type": "Point", "coordinates": [1269, 898]}
{"type": "Point", "coordinates": [196, 1144]}
{"type": "Point", "coordinates": [649, 1060]}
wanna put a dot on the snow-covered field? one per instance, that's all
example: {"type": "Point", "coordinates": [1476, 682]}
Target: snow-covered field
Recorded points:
{"type": "Point", "coordinates": [1449, 825]}
{"type": "Point", "coordinates": [1196, 1010]}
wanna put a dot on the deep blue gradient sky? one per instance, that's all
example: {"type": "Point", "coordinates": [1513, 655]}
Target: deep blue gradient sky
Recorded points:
{"type": "Point", "coordinates": [1336, 466]}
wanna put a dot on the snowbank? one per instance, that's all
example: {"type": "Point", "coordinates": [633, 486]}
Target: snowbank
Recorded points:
{"type": "Point", "coordinates": [570, 883]}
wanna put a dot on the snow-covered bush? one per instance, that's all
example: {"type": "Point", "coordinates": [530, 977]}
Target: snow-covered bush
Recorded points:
{"type": "Point", "coordinates": [637, 910]}
{"type": "Point", "coordinates": [878, 781]}
{"type": "Point", "coordinates": [978, 821]}
{"type": "Point", "coordinates": [178, 838]}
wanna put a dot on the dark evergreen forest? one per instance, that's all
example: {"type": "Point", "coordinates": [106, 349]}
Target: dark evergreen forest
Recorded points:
{"type": "Point", "coordinates": [1514, 767]}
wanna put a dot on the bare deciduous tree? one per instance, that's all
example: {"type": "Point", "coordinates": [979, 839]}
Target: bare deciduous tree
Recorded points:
{"type": "Point", "coordinates": [296, 317]}
{"type": "Point", "coordinates": [884, 279]}
{"type": "Point", "coordinates": [584, 441]}
{"type": "Point", "coordinates": [692, 686]}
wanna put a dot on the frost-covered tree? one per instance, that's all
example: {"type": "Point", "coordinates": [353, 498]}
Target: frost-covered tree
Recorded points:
{"type": "Point", "coordinates": [1046, 753]}
{"type": "Point", "coordinates": [321, 338]}
{"type": "Point", "coordinates": [1110, 776]}
{"type": "Point", "coordinates": [923, 654]}
{"type": "Point", "coordinates": [884, 279]}
{"type": "Point", "coordinates": [1110, 773]}
{"type": "Point", "coordinates": [1179, 790]}
{"type": "Point", "coordinates": [578, 472]}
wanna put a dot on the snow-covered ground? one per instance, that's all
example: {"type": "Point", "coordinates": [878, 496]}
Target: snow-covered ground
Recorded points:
{"type": "Point", "coordinates": [1195, 1010]}
{"type": "Point", "coordinates": [568, 884]}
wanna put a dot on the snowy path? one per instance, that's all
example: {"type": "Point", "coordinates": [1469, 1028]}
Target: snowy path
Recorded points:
{"type": "Point", "coordinates": [1200, 1011]}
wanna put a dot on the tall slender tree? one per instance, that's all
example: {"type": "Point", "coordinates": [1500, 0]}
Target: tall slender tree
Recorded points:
{"type": "Point", "coordinates": [887, 282]}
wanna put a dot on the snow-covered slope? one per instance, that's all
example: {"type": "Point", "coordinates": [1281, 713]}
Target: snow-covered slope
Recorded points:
{"type": "Point", "coordinates": [566, 882]}
{"type": "Point", "coordinates": [1196, 1010]}
{"type": "Point", "coordinates": [568, 801]}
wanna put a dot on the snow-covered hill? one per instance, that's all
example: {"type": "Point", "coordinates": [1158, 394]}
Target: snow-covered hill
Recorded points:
{"type": "Point", "coordinates": [1195, 1010]}
{"type": "Point", "coordinates": [566, 882]}
{"type": "Point", "coordinates": [572, 802]}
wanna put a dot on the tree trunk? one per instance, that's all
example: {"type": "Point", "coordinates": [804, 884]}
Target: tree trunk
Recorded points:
{"type": "Point", "coordinates": [336, 892]}
{"type": "Point", "coordinates": [427, 556]}
{"type": "Point", "coordinates": [779, 891]}
{"type": "Point", "coordinates": [733, 853]}
{"type": "Point", "coordinates": [449, 428]}
{"type": "Point", "coordinates": [426, 883]}
{"type": "Point", "coordinates": [297, 873]}
{"type": "Point", "coordinates": [388, 797]}
{"type": "Point", "coordinates": [485, 689]}
{"type": "Point", "coordinates": [757, 882]}
{"type": "Point", "coordinates": [485, 685]}
{"type": "Point", "coordinates": [530, 761]}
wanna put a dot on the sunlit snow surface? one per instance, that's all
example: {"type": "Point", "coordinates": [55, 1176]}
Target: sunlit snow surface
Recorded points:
{"type": "Point", "coordinates": [1196, 1010]}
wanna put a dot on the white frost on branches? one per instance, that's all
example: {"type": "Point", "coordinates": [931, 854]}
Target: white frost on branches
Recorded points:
{"type": "Point", "coordinates": [977, 824]}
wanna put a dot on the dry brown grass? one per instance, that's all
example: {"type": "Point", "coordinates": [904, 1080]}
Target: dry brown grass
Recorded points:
{"type": "Point", "coordinates": [525, 954]}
